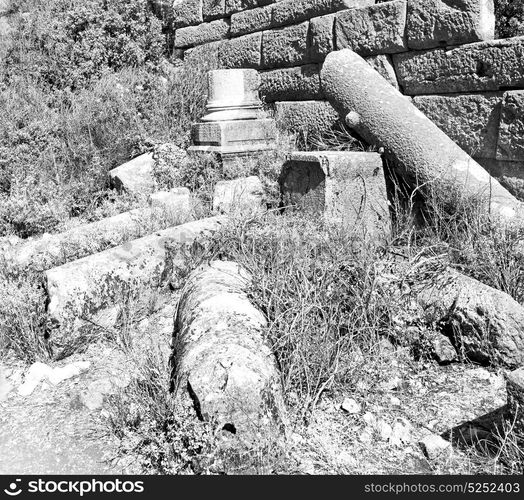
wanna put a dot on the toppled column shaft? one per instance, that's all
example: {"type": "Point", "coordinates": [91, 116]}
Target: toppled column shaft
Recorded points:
{"type": "Point", "coordinates": [386, 118]}
{"type": "Point", "coordinates": [221, 357]}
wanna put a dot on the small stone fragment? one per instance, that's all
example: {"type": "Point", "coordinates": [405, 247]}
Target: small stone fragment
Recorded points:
{"type": "Point", "coordinates": [433, 446]}
{"type": "Point", "coordinates": [351, 406]}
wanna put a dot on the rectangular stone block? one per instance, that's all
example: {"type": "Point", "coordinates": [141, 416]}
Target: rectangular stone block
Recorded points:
{"type": "Point", "coordinates": [213, 9]}
{"type": "Point", "coordinates": [471, 120]}
{"type": "Point", "coordinates": [233, 132]}
{"type": "Point", "coordinates": [206, 52]}
{"type": "Point", "coordinates": [295, 11]}
{"type": "Point", "coordinates": [242, 52]}
{"type": "Point", "coordinates": [233, 6]}
{"type": "Point", "coordinates": [187, 13]}
{"type": "Point", "coordinates": [482, 66]}
{"type": "Point", "coordinates": [321, 37]}
{"type": "Point", "coordinates": [285, 46]}
{"type": "Point", "coordinates": [378, 29]}
{"type": "Point", "coordinates": [509, 173]}
{"type": "Point", "coordinates": [434, 23]}
{"type": "Point", "coordinates": [253, 20]}
{"type": "Point", "coordinates": [203, 33]}
{"type": "Point", "coordinates": [305, 117]}
{"type": "Point", "coordinates": [383, 64]}
{"type": "Point", "coordinates": [345, 187]}
{"type": "Point", "coordinates": [291, 84]}
{"type": "Point", "coordinates": [511, 131]}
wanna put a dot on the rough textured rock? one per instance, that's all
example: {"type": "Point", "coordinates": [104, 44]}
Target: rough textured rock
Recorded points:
{"type": "Point", "coordinates": [186, 13]}
{"type": "Point", "coordinates": [203, 33]}
{"type": "Point", "coordinates": [321, 37]}
{"type": "Point", "coordinates": [511, 131]}
{"type": "Point", "coordinates": [241, 52]}
{"type": "Point", "coordinates": [205, 52]}
{"type": "Point", "coordinates": [515, 389]}
{"type": "Point", "coordinates": [509, 173]}
{"type": "Point", "coordinates": [291, 84]}
{"type": "Point", "coordinates": [481, 66]}
{"type": "Point", "coordinates": [346, 187]}
{"type": "Point", "coordinates": [382, 63]}
{"type": "Point", "coordinates": [306, 117]}
{"type": "Point", "coordinates": [421, 151]}
{"type": "Point", "coordinates": [285, 46]}
{"type": "Point", "coordinates": [471, 120]}
{"type": "Point", "coordinates": [245, 194]}
{"type": "Point", "coordinates": [90, 292]}
{"type": "Point", "coordinates": [135, 176]}
{"type": "Point", "coordinates": [433, 23]}
{"type": "Point", "coordinates": [213, 9]}
{"type": "Point", "coordinates": [434, 446]}
{"type": "Point", "coordinates": [233, 6]}
{"type": "Point", "coordinates": [249, 21]}
{"type": "Point", "coordinates": [485, 324]}
{"type": "Point", "coordinates": [509, 16]}
{"type": "Point", "coordinates": [53, 249]}
{"type": "Point", "coordinates": [372, 30]}
{"type": "Point", "coordinates": [221, 358]}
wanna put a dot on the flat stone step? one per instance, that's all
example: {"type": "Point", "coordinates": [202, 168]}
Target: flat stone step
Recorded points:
{"type": "Point", "coordinates": [91, 292]}
{"type": "Point", "coordinates": [166, 209]}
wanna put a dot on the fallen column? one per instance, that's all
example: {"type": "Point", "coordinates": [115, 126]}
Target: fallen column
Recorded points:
{"type": "Point", "coordinates": [424, 154]}
{"type": "Point", "coordinates": [221, 359]}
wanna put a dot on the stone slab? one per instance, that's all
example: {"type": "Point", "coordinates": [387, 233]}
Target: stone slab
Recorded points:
{"type": "Point", "coordinates": [345, 187]}
{"type": "Point", "coordinates": [379, 29]}
{"type": "Point", "coordinates": [233, 133]}
{"type": "Point", "coordinates": [305, 117]}
{"type": "Point", "coordinates": [321, 36]}
{"type": "Point", "coordinates": [203, 33]}
{"type": "Point", "coordinates": [245, 194]}
{"type": "Point", "coordinates": [241, 52]}
{"type": "Point", "coordinates": [511, 131]}
{"type": "Point", "coordinates": [383, 64]}
{"type": "Point", "coordinates": [233, 6]}
{"type": "Point", "coordinates": [291, 84]}
{"type": "Point", "coordinates": [471, 120]}
{"type": "Point", "coordinates": [135, 176]}
{"type": "Point", "coordinates": [186, 13]}
{"type": "Point", "coordinates": [249, 21]}
{"type": "Point", "coordinates": [482, 66]}
{"type": "Point", "coordinates": [213, 9]}
{"type": "Point", "coordinates": [434, 23]}
{"type": "Point", "coordinates": [284, 47]}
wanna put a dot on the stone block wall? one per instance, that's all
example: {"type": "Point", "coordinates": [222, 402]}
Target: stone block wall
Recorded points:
{"type": "Point", "coordinates": [440, 53]}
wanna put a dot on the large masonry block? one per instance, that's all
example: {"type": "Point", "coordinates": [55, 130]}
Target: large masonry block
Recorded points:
{"type": "Point", "coordinates": [433, 23]}
{"type": "Point", "coordinates": [509, 173]}
{"type": "Point", "coordinates": [372, 30]}
{"type": "Point", "coordinates": [471, 120]}
{"type": "Point", "coordinates": [213, 9]}
{"type": "Point", "coordinates": [382, 63]}
{"type": "Point", "coordinates": [482, 66]}
{"type": "Point", "coordinates": [321, 37]}
{"type": "Point", "coordinates": [206, 52]}
{"type": "Point", "coordinates": [511, 132]}
{"type": "Point", "coordinates": [307, 117]}
{"type": "Point", "coordinates": [233, 6]}
{"type": "Point", "coordinates": [346, 187]}
{"type": "Point", "coordinates": [135, 176]}
{"type": "Point", "coordinates": [291, 84]}
{"type": "Point", "coordinates": [186, 13]}
{"type": "Point", "coordinates": [252, 20]}
{"type": "Point", "coordinates": [203, 33]}
{"type": "Point", "coordinates": [242, 52]}
{"type": "Point", "coordinates": [285, 46]}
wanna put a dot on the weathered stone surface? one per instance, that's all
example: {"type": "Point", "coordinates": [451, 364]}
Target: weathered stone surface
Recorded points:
{"type": "Point", "coordinates": [471, 120]}
{"type": "Point", "coordinates": [221, 357]}
{"type": "Point", "coordinates": [54, 249]}
{"type": "Point", "coordinates": [382, 63]}
{"type": "Point", "coordinates": [343, 186]}
{"type": "Point", "coordinates": [422, 152]}
{"type": "Point", "coordinates": [509, 173]}
{"type": "Point", "coordinates": [515, 390]}
{"type": "Point", "coordinates": [203, 33]}
{"type": "Point", "coordinates": [186, 13]}
{"type": "Point", "coordinates": [242, 52]}
{"type": "Point", "coordinates": [213, 9]}
{"type": "Point", "coordinates": [285, 46]}
{"type": "Point", "coordinates": [296, 11]}
{"type": "Point", "coordinates": [205, 52]}
{"type": "Point", "coordinates": [135, 176]}
{"type": "Point", "coordinates": [233, 132]}
{"type": "Point", "coordinates": [482, 66]}
{"type": "Point", "coordinates": [305, 117]}
{"type": "Point", "coordinates": [433, 23]}
{"type": "Point", "coordinates": [245, 194]}
{"type": "Point", "coordinates": [511, 132]}
{"type": "Point", "coordinates": [90, 292]}
{"type": "Point", "coordinates": [434, 446]}
{"type": "Point", "coordinates": [233, 6]}
{"type": "Point", "coordinates": [249, 21]}
{"type": "Point", "coordinates": [291, 84]}
{"type": "Point", "coordinates": [484, 323]}
{"type": "Point", "coordinates": [372, 30]}
{"type": "Point", "coordinates": [321, 36]}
